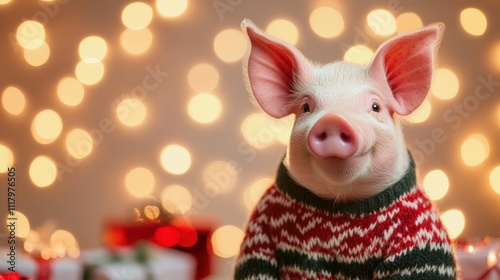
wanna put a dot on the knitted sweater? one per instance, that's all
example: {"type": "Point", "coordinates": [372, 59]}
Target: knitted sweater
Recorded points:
{"type": "Point", "coordinates": [294, 234]}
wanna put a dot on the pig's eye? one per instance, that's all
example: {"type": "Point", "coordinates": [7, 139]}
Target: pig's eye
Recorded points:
{"type": "Point", "coordinates": [306, 108]}
{"type": "Point", "coordinates": [375, 107]}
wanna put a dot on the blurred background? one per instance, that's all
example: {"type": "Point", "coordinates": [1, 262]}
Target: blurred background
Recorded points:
{"type": "Point", "coordinates": [117, 112]}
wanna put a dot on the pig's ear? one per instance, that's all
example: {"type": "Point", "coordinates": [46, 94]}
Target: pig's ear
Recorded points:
{"type": "Point", "coordinates": [406, 63]}
{"type": "Point", "coordinates": [271, 69]}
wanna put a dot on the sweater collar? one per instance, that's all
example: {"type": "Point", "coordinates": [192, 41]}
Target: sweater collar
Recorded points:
{"type": "Point", "coordinates": [381, 200]}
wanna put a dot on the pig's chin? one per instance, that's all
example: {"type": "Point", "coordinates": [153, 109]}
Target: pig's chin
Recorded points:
{"type": "Point", "coordinates": [342, 172]}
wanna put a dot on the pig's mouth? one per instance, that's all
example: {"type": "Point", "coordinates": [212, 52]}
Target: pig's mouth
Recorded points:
{"type": "Point", "coordinates": [341, 171]}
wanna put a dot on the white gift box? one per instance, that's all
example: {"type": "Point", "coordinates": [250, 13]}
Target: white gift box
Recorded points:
{"type": "Point", "coordinates": [161, 264]}
{"type": "Point", "coordinates": [23, 263]}
{"type": "Point", "coordinates": [480, 262]}
{"type": "Point", "coordinates": [60, 269]}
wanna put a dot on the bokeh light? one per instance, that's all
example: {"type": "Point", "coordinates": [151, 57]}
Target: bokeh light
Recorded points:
{"type": "Point", "coordinates": [422, 113]}
{"type": "Point", "coordinates": [3, 2]}
{"type": "Point", "coordinates": [13, 100]}
{"type": "Point", "coordinates": [436, 184]}
{"type": "Point", "coordinates": [167, 236]}
{"type": "Point", "coordinates": [46, 126]}
{"type": "Point", "coordinates": [326, 22]}
{"type": "Point", "coordinates": [204, 108]}
{"type": "Point", "coordinates": [203, 77]}
{"type": "Point", "coordinates": [283, 29]}
{"type": "Point", "coordinates": [22, 224]}
{"type": "Point", "coordinates": [137, 15]}
{"type": "Point", "coordinates": [136, 41]}
{"type": "Point", "coordinates": [495, 179]}
{"type": "Point", "coordinates": [283, 128]}
{"type": "Point", "coordinates": [175, 159]}
{"type": "Point", "coordinates": [176, 199]}
{"type": "Point", "coordinates": [444, 84]}
{"type": "Point", "coordinates": [220, 177]}
{"type": "Point", "coordinates": [30, 34]}
{"type": "Point", "coordinates": [359, 54]}
{"type": "Point", "coordinates": [473, 21]}
{"type": "Point", "coordinates": [6, 158]}
{"type": "Point", "coordinates": [171, 8]}
{"type": "Point", "coordinates": [475, 150]}
{"type": "Point", "coordinates": [131, 112]}
{"type": "Point", "coordinates": [93, 49]}
{"type": "Point", "coordinates": [381, 22]}
{"type": "Point", "coordinates": [79, 143]}
{"type": "Point", "coordinates": [152, 212]}
{"type": "Point", "coordinates": [497, 113]}
{"type": "Point", "coordinates": [140, 182]}
{"type": "Point", "coordinates": [64, 243]}
{"type": "Point", "coordinates": [89, 73]}
{"type": "Point", "coordinates": [43, 171]}
{"type": "Point", "coordinates": [70, 91]}
{"type": "Point", "coordinates": [257, 130]}
{"type": "Point", "coordinates": [226, 241]}
{"type": "Point", "coordinates": [31, 241]}
{"type": "Point", "coordinates": [494, 57]}
{"type": "Point", "coordinates": [230, 45]}
{"type": "Point", "coordinates": [189, 235]}
{"type": "Point", "coordinates": [38, 56]}
{"type": "Point", "coordinates": [408, 22]}
{"type": "Point", "coordinates": [454, 222]}
{"type": "Point", "coordinates": [253, 193]}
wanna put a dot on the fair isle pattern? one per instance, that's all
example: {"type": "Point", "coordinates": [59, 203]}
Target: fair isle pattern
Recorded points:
{"type": "Point", "coordinates": [293, 234]}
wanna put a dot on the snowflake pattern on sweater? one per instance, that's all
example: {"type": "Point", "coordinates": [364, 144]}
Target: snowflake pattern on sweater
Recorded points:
{"type": "Point", "coordinates": [294, 234]}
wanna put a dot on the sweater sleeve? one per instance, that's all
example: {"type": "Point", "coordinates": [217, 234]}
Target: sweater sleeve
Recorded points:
{"type": "Point", "coordinates": [257, 258]}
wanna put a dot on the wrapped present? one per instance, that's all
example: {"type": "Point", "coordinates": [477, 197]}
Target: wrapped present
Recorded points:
{"type": "Point", "coordinates": [479, 260]}
{"type": "Point", "coordinates": [10, 276]}
{"type": "Point", "coordinates": [145, 261]}
{"type": "Point", "coordinates": [21, 262]}
{"type": "Point", "coordinates": [54, 269]}
{"type": "Point", "coordinates": [187, 238]}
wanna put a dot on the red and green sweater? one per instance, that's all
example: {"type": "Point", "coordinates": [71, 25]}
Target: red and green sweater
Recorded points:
{"type": "Point", "coordinates": [294, 234]}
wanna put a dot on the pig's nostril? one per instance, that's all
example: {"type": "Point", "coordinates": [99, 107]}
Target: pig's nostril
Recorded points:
{"type": "Point", "coordinates": [345, 138]}
{"type": "Point", "coordinates": [322, 136]}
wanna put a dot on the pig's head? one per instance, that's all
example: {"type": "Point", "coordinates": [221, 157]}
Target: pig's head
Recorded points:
{"type": "Point", "coordinates": [346, 142]}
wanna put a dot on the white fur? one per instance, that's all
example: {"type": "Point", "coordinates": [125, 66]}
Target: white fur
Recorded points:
{"type": "Point", "coordinates": [347, 90]}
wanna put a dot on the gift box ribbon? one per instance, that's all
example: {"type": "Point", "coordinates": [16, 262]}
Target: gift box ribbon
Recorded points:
{"type": "Point", "coordinates": [141, 255]}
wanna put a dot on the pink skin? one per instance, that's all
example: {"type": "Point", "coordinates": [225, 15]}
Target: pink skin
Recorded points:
{"type": "Point", "coordinates": [333, 136]}
{"type": "Point", "coordinates": [346, 143]}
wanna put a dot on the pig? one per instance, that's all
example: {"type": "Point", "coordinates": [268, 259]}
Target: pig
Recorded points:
{"type": "Point", "coordinates": [345, 204]}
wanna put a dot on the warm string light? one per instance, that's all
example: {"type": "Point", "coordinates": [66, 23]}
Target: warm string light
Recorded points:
{"type": "Point", "coordinates": [473, 21]}
{"type": "Point", "coordinates": [205, 107]}
{"type": "Point", "coordinates": [47, 242]}
{"type": "Point", "coordinates": [470, 249]}
{"type": "Point", "coordinates": [436, 184]}
{"type": "Point", "coordinates": [13, 100]}
{"type": "Point", "coordinates": [6, 158]}
{"type": "Point", "coordinates": [326, 22]}
{"type": "Point", "coordinates": [406, 22]}
{"type": "Point", "coordinates": [284, 29]}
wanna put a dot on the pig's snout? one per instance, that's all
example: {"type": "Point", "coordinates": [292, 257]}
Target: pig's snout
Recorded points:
{"type": "Point", "coordinates": [333, 136]}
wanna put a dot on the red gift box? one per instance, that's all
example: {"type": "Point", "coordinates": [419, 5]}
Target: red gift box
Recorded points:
{"type": "Point", "coordinates": [10, 276]}
{"type": "Point", "coordinates": [194, 240]}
